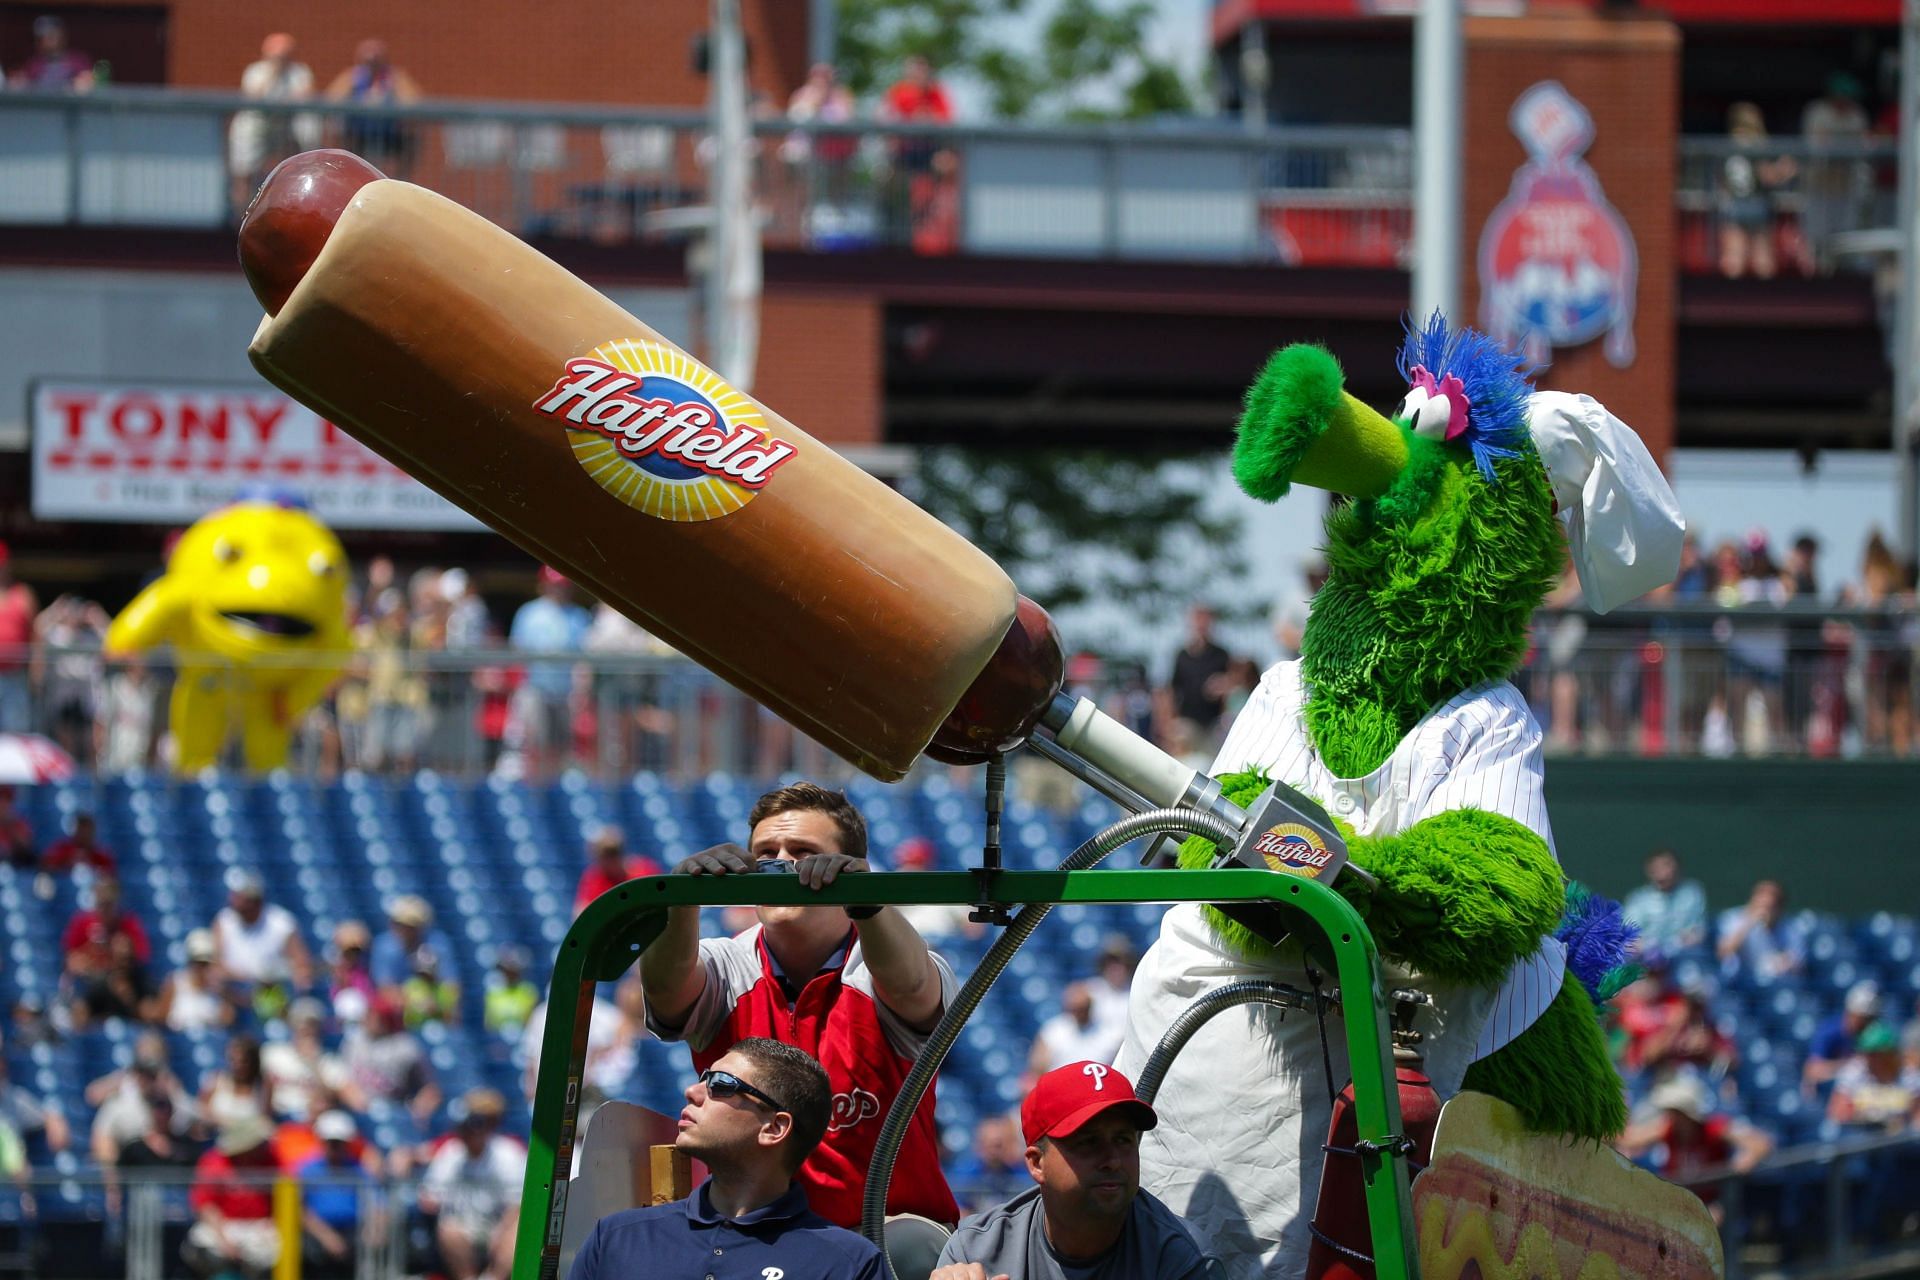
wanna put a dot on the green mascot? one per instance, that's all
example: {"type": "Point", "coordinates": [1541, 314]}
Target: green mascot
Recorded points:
{"type": "Point", "coordinates": [1399, 718]}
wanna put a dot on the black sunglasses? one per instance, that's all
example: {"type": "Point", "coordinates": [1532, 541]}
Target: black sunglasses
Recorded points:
{"type": "Point", "coordinates": [725, 1084]}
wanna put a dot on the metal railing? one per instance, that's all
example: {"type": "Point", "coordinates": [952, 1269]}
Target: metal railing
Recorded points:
{"type": "Point", "coordinates": [89, 1223]}
{"type": "Point", "coordinates": [1753, 681]}
{"type": "Point", "coordinates": [1784, 207]}
{"type": "Point", "coordinates": [1822, 1211]}
{"type": "Point", "coordinates": [1195, 190]}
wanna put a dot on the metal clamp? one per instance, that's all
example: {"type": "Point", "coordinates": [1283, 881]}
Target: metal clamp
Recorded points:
{"type": "Point", "coordinates": [1394, 1144]}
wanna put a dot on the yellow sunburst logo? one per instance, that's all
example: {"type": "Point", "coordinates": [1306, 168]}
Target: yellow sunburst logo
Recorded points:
{"type": "Point", "coordinates": [664, 435]}
{"type": "Point", "coordinates": [1294, 849]}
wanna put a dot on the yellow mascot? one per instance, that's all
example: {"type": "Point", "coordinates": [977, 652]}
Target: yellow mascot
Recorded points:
{"type": "Point", "coordinates": [254, 604]}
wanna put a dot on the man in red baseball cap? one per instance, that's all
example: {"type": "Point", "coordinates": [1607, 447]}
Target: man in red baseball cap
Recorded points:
{"type": "Point", "coordinates": [1087, 1216]}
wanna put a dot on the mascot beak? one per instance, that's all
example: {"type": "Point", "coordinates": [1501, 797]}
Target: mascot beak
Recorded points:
{"type": "Point", "coordinates": [1301, 427]}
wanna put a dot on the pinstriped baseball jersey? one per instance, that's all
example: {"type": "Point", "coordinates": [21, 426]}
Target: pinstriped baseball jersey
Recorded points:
{"type": "Point", "coordinates": [1479, 750]}
{"type": "Point", "coordinates": [1243, 1109]}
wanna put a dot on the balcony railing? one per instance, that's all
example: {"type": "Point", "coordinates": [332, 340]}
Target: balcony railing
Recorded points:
{"type": "Point", "coordinates": [1756, 681]}
{"type": "Point", "coordinates": [1199, 190]}
{"type": "Point", "coordinates": [1191, 191]}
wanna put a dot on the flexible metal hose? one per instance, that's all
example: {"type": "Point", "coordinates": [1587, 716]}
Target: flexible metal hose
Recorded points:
{"type": "Point", "coordinates": [1203, 1011]}
{"type": "Point", "coordinates": [873, 1207]}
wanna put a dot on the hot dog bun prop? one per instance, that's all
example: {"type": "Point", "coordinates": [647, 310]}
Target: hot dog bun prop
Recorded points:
{"type": "Point", "coordinates": [519, 393]}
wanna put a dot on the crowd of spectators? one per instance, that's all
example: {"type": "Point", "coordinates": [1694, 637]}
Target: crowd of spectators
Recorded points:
{"type": "Point", "coordinates": [1746, 653]}
{"type": "Point", "coordinates": [1779, 206]}
{"type": "Point", "coordinates": [1714, 1089]}
{"type": "Point", "coordinates": [322, 1048]}
{"type": "Point", "coordinates": [315, 1058]}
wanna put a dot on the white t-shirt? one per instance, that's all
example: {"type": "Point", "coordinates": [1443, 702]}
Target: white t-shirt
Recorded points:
{"type": "Point", "coordinates": [477, 1190]}
{"type": "Point", "coordinates": [194, 1007]}
{"type": "Point", "coordinates": [255, 952]}
{"type": "Point", "coordinates": [1243, 1110]}
{"type": "Point", "coordinates": [1067, 1041]}
{"type": "Point", "coordinates": [295, 1079]}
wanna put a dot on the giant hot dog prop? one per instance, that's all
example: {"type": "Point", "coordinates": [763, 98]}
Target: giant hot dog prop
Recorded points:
{"type": "Point", "coordinates": [521, 394]}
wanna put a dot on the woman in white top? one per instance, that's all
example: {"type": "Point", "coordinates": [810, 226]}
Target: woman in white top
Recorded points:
{"type": "Point", "coordinates": [194, 998]}
{"type": "Point", "coordinates": [257, 943]}
{"type": "Point", "coordinates": [241, 1089]}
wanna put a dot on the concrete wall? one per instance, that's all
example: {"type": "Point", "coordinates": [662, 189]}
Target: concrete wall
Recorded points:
{"type": "Point", "coordinates": [1840, 836]}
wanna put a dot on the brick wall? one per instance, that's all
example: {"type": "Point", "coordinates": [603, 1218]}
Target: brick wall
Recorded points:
{"type": "Point", "coordinates": [819, 367]}
{"type": "Point", "coordinates": [1626, 72]}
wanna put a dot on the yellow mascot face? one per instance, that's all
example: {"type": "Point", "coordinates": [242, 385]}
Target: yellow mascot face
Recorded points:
{"type": "Point", "coordinates": [260, 581]}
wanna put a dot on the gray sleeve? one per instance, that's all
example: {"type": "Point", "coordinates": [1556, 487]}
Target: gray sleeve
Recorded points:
{"type": "Point", "coordinates": [951, 1252]}
{"type": "Point", "coordinates": [732, 966]}
{"type": "Point", "coordinates": [906, 1041]}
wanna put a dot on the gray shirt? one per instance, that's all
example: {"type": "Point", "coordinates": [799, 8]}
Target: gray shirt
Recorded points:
{"type": "Point", "coordinates": [1012, 1239]}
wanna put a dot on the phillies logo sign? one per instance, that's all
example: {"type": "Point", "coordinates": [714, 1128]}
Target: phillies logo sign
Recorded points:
{"type": "Point", "coordinates": [664, 435]}
{"type": "Point", "coordinates": [1558, 266]}
{"type": "Point", "coordinates": [851, 1107]}
{"type": "Point", "coordinates": [1294, 849]}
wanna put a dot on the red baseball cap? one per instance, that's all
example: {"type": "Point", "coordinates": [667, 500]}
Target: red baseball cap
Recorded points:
{"type": "Point", "coordinates": [1067, 1097]}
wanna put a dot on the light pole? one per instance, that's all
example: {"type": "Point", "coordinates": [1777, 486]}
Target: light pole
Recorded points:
{"type": "Point", "coordinates": [1438, 54]}
{"type": "Point", "coordinates": [733, 245]}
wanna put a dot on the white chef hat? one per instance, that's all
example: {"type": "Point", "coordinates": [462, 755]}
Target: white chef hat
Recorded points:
{"type": "Point", "coordinates": [1623, 523]}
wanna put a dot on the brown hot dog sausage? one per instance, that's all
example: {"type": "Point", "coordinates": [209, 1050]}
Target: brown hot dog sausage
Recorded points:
{"type": "Point", "coordinates": [290, 217]}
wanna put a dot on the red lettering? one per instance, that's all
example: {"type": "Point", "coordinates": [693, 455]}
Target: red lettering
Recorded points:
{"type": "Point", "coordinates": [73, 410]}
{"type": "Point", "coordinates": [265, 418]}
{"type": "Point", "coordinates": [137, 417]}
{"type": "Point", "coordinates": [197, 419]}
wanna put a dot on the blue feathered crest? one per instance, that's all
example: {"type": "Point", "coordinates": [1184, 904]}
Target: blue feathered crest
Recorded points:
{"type": "Point", "coordinates": [1496, 384]}
{"type": "Point", "coordinates": [1599, 941]}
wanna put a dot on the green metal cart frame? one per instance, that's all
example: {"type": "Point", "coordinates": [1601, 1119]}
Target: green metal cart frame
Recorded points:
{"type": "Point", "coordinates": [616, 927]}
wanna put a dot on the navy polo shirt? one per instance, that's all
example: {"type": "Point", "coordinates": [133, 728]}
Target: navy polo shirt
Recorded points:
{"type": "Point", "coordinates": [689, 1239]}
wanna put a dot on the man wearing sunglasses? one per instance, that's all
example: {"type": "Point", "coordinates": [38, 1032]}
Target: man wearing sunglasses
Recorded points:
{"type": "Point", "coordinates": [856, 988]}
{"type": "Point", "coordinates": [1087, 1216]}
{"type": "Point", "coordinates": [753, 1116]}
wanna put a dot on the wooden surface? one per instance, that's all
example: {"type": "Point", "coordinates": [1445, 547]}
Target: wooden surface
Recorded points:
{"type": "Point", "coordinates": [672, 1175]}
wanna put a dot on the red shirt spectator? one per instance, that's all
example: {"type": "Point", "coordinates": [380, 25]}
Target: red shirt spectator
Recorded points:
{"type": "Point", "coordinates": [233, 1230]}
{"type": "Point", "coordinates": [88, 938]}
{"type": "Point", "coordinates": [16, 833]}
{"type": "Point", "coordinates": [82, 848]}
{"type": "Point", "coordinates": [1688, 1134]}
{"type": "Point", "coordinates": [214, 1184]}
{"type": "Point", "coordinates": [803, 976]}
{"type": "Point", "coordinates": [918, 96]}
{"type": "Point", "coordinates": [608, 865]}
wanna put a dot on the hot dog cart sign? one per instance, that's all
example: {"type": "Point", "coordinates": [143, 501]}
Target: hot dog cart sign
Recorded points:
{"type": "Point", "coordinates": [1558, 266]}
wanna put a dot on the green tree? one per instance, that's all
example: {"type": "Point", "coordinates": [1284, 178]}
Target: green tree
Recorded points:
{"type": "Point", "coordinates": [1072, 527]}
{"type": "Point", "coordinates": [1081, 43]}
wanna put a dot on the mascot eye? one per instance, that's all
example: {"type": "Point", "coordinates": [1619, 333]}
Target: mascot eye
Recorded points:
{"type": "Point", "coordinates": [1431, 420]}
{"type": "Point", "coordinates": [1407, 412]}
{"type": "Point", "coordinates": [226, 551]}
{"type": "Point", "coordinates": [320, 565]}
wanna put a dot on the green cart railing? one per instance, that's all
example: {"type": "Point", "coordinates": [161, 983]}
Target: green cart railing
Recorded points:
{"type": "Point", "coordinates": [611, 933]}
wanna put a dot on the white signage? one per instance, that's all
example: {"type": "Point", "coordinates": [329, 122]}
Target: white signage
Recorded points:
{"type": "Point", "coordinates": [157, 454]}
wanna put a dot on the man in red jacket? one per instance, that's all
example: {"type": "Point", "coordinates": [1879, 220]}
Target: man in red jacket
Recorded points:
{"type": "Point", "coordinates": [855, 987]}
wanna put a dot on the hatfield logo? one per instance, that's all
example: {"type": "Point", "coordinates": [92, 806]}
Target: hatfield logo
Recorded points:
{"type": "Point", "coordinates": [1558, 266]}
{"type": "Point", "coordinates": [1294, 849]}
{"type": "Point", "coordinates": [850, 1108]}
{"type": "Point", "coordinates": [662, 434]}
